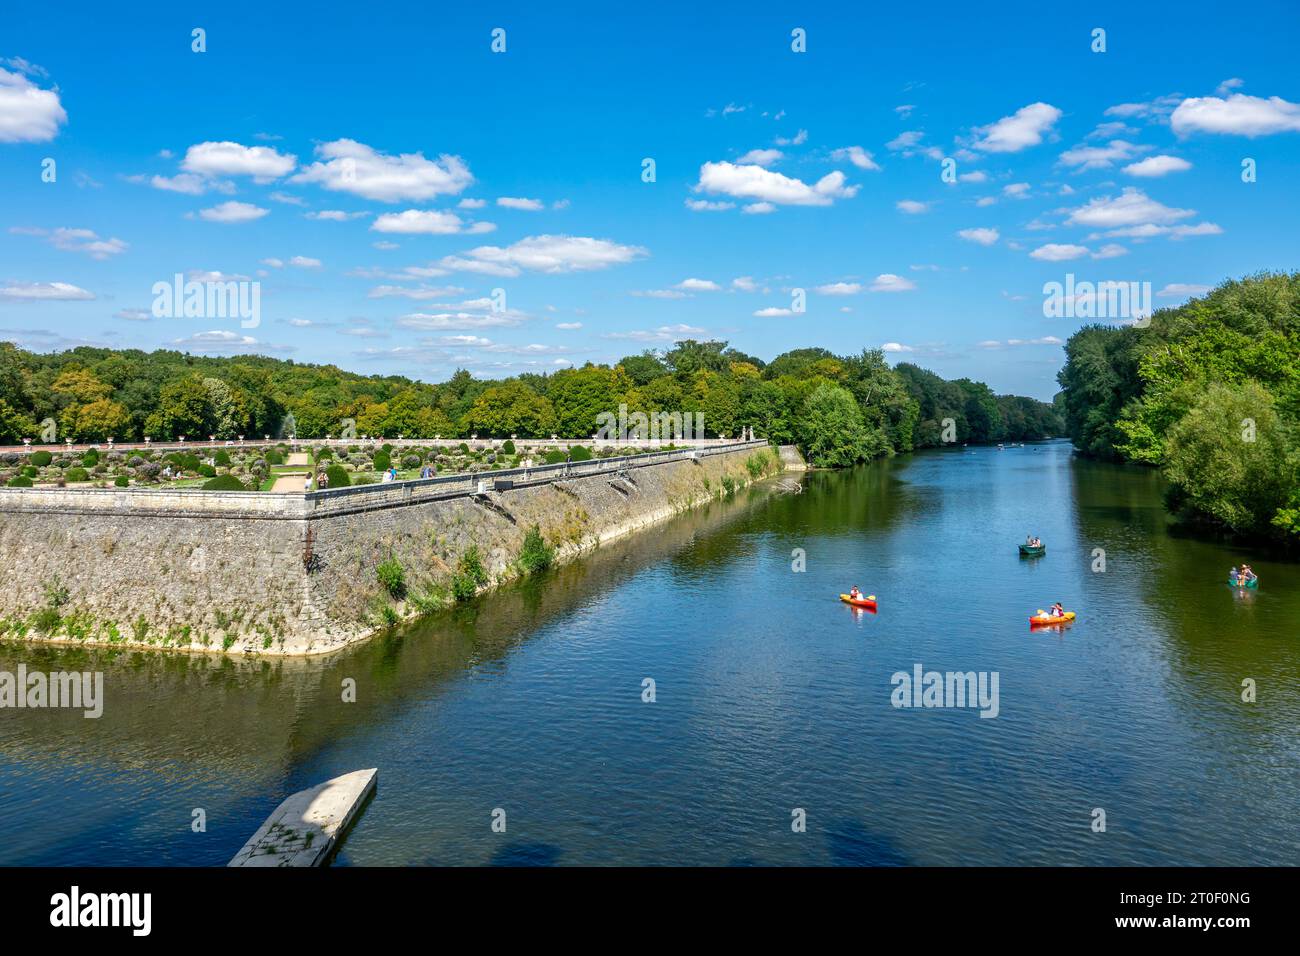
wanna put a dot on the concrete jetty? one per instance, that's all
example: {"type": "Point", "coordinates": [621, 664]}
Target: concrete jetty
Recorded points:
{"type": "Point", "coordinates": [305, 828]}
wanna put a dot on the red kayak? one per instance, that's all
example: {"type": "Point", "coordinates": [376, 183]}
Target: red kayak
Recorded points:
{"type": "Point", "coordinates": [868, 601]}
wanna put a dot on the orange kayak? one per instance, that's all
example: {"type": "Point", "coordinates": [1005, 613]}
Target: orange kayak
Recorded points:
{"type": "Point", "coordinates": [868, 601]}
{"type": "Point", "coordinates": [1047, 619]}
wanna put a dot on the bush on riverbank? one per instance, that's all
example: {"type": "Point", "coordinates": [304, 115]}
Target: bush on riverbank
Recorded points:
{"type": "Point", "coordinates": [392, 576]}
{"type": "Point", "coordinates": [470, 575]}
{"type": "Point", "coordinates": [536, 555]}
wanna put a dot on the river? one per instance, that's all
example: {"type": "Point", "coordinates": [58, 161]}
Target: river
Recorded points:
{"type": "Point", "coordinates": [770, 696]}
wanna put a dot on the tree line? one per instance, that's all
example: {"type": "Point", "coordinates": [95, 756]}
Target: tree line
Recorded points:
{"type": "Point", "coordinates": [1208, 392]}
{"type": "Point", "coordinates": [839, 409]}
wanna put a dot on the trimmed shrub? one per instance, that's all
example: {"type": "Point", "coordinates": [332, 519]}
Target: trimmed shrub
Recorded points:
{"type": "Point", "coordinates": [224, 483]}
{"type": "Point", "coordinates": [31, 471]}
{"type": "Point", "coordinates": [20, 481]}
{"type": "Point", "coordinates": [338, 476]}
{"type": "Point", "coordinates": [222, 458]}
{"type": "Point", "coordinates": [41, 459]}
{"type": "Point", "coordinates": [76, 474]}
{"type": "Point", "coordinates": [554, 456]}
{"type": "Point", "coordinates": [322, 453]}
{"type": "Point", "coordinates": [508, 447]}
{"type": "Point", "coordinates": [207, 471]}
{"type": "Point", "coordinates": [580, 453]}
{"type": "Point", "coordinates": [274, 456]}
{"type": "Point", "coordinates": [90, 459]}
{"type": "Point", "coordinates": [122, 481]}
{"type": "Point", "coordinates": [382, 461]}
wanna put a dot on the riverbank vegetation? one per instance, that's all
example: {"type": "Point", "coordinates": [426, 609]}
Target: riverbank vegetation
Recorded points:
{"type": "Point", "coordinates": [839, 409]}
{"type": "Point", "coordinates": [1208, 392]}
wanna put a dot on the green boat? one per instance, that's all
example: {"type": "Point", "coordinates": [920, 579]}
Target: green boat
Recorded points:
{"type": "Point", "coordinates": [1251, 583]}
{"type": "Point", "coordinates": [1033, 551]}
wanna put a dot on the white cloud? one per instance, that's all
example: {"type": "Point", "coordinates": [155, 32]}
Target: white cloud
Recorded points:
{"type": "Point", "coordinates": [188, 184]}
{"type": "Point", "coordinates": [895, 347]}
{"type": "Point", "coordinates": [1154, 110]}
{"type": "Point", "coordinates": [888, 282]}
{"type": "Point", "coordinates": [1022, 129]}
{"type": "Point", "coordinates": [348, 166]}
{"type": "Point", "coordinates": [305, 262]}
{"type": "Point", "coordinates": [1154, 166]}
{"type": "Point", "coordinates": [1181, 290]}
{"type": "Point", "coordinates": [1111, 250]}
{"type": "Point", "coordinates": [431, 222]}
{"type": "Point", "coordinates": [744, 284]}
{"type": "Point", "coordinates": [468, 203]}
{"type": "Point", "coordinates": [334, 215]}
{"type": "Point", "coordinates": [44, 291]}
{"type": "Point", "coordinates": [514, 202]}
{"type": "Point", "coordinates": [798, 139]}
{"type": "Point", "coordinates": [1016, 190]}
{"type": "Point", "coordinates": [761, 157]}
{"type": "Point", "coordinates": [288, 199]}
{"type": "Point", "coordinates": [133, 315]}
{"type": "Point", "coordinates": [233, 212]}
{"type": "Point", "coordinates": [549, 254]}
{"type": "Point", "coordinates": [660, 294]}
{"type": "Point", "coordinates": [1238, 115]}
{"type": "Point", "coordinates": [1101, 157]}
{"type": "Point", "coordinates": [28, 113]}
{"type": "Point", "coordinates": [1227, 86]}
{"type": "Point", "coordinates": [839, 288]}
{"type": "Point", "coordinates": [764, 185]}
{"type": "Point", "coordinates": [77, 240]}
{"type": "Point", "coordinates": [704, 205]}
{"type": "Point", "coordinates": [698, 285]}
{"type": "Point", "coordinates": [978, 176]}
{"type": "Point", "coordinates": [758, 208]}
{"type": "Point", "coordinates": [985, 237]}
{"type": "Point", "coordinates": [1012, 343]}
{"type": "Point", "coordinates": [1059, 252]}
{"type": "Point", "coordinates": [220, 341]}
{"type": "Point", "coordinates": [911, 206]}
{"type": "Point", "coordinates": [665, 333]}
{"type": "Point", "coordinates": [985, 201]}
{"type": "Point", "coordinates": [773, 312]}
{"type": "Point", "coordinates": [568, 326]}
{"type": "Point", "coordinates": [856, 155]}
{"type": "Point", "coordinates": [263, 163]}
{"type": "Point", "coordinates": [1132, 207]}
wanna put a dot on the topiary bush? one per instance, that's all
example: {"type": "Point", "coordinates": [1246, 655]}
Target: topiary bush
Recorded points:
{"type": "Point", "coordinates": [508, 447]}
{"type": "Point", "coordinates": [20, 481]}
{"type": "Point", "coordinates": [207, 471]}
{"type": "Point", "coordinates": [382, 461]}
{"type": "Point", "coordinates": [224, 483]}
{"type": "Point", "coordinates": [122, 481]}
{"type": "Point", "coordinates": [76, 474]}
{"type": "Point", "coordinates": [222, 458]}
{"type": "Point", "coordinates": [580, 453]}
{"type": "Point", "coordinates": [41, 459]}
{"type": "Point", "coordinates": [338, 476]}
{"type": "Point", "coordinates": [90, 459]}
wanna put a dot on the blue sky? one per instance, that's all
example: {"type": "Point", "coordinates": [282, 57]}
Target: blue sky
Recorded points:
{"type": "Point", "coordinates": [446, 171]}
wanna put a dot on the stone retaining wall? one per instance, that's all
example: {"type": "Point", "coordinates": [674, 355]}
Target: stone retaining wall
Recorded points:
{"type": "Point", "coordinates": [295, 574]}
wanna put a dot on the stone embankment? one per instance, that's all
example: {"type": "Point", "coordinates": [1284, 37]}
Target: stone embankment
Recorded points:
{"type": "Point", "coordinates": [296, 574]}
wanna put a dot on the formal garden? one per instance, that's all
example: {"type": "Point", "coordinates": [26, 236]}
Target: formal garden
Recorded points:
{"type": "Point", "coordinates": [282, 467]}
